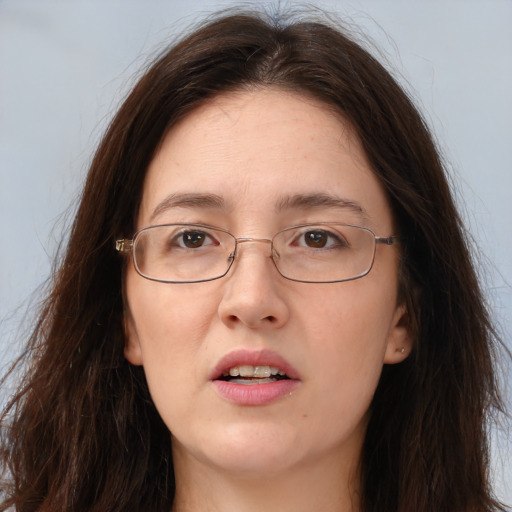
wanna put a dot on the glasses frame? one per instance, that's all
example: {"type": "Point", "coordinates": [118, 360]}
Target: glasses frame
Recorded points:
{"type": "Point", "coordinates": [126, 245]}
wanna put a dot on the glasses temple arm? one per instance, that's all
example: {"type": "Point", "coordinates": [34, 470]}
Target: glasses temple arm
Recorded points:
{"type": "Point", "coordinates": [124, 245]}
{"type": "Point", "coordinates": [390, 240]}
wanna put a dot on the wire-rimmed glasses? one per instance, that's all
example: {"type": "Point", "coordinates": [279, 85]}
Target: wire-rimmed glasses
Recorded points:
{"type": "Point", "coordinates": [324, 252]}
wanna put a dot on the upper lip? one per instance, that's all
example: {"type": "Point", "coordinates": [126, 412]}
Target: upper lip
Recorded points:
{"type": "Point", "coordinates": [253, 358]}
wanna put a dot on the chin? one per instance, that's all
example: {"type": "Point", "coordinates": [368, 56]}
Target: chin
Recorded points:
{"type": "Point", "coordinates": [251, 451]}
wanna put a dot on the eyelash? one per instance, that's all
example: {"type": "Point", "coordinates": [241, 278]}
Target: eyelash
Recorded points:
{"type": "Point", "coordinates": [336, 241]}
{"type": "Point", "coordinates": [178, 239]}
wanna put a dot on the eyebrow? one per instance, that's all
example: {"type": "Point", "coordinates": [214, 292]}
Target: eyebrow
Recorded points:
{"type": "Point", "coordinates": [318, 201]}
{"type": "Point", "coordinates": [188, 200]}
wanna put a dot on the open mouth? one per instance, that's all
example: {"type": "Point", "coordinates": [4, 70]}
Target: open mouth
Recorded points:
{"type": "Point", "coordinates": [250, 378]}
{"type": "Point", "coordinates": [248, 374]}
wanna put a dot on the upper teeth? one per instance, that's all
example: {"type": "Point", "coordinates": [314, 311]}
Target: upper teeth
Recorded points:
{"type": "Point", "coordinates": [247, 370]}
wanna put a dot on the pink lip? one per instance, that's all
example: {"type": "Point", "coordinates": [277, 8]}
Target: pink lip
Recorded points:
{"type": "Point", "coordinates": [255, 394]}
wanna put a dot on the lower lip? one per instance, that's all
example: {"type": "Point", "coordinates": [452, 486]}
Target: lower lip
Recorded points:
{"type": "Point", "coordinates": [255, 394]}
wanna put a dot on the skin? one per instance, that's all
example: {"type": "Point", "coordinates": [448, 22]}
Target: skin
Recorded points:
{"type": "Point", "coordinates": [303, 450]}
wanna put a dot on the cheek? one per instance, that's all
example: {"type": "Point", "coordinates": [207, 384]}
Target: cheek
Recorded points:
{"type": "Point", "coordinates": [354, 316]}
{"type": "Point", "coordinates": [170, 324]}
{"type": "Point", "coordinates": [351, 353]}
{"type": "Point", "coordinates": [348, 329]}
{"type": "Point", "coordinates": [165, 312]}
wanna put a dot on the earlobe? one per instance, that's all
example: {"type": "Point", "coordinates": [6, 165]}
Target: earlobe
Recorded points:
{"type": "Point", "coordinates": [132, 350]}
{"type": "Point", "coordinates": [400, 338]}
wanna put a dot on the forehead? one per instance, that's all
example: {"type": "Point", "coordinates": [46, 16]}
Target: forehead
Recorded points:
{"type": "Point", "coordinates": [254, 149]}
{"type": "Point", "coordinates": [237, 124]}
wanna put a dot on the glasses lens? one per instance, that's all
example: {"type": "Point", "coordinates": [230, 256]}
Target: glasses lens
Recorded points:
{"type": "Point", "coordinates": [324, 253]}
{"type": "Point", "coordinates": [183, 252]}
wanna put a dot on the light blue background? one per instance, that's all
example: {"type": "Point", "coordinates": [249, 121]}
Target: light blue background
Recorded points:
{"type": "Point", "coordinates": [65, 66]}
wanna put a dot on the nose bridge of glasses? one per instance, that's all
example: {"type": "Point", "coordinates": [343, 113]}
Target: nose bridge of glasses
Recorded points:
{"type": "Point", "coordinates": [260, 240]}
{"type": "Point", "coordinates": [240, 241]}
{"type": "Point", "coordinates": [256, 240]}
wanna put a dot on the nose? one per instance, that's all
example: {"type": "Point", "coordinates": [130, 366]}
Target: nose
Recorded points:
{"type": "Point", "coordinates": [253, 290]}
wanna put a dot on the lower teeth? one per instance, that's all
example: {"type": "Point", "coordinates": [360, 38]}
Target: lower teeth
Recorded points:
{"type": "Point", "coordinates": [252, 381]}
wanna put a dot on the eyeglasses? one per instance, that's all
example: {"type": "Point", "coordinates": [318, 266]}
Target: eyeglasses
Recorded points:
{"type": "Point", "coordinates": [325, 252]}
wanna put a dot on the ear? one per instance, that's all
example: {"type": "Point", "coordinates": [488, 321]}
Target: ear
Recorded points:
{"type": "Point", "coordinates": [400, 338]}
{"type": "Point", "coordinates": [132, 350]}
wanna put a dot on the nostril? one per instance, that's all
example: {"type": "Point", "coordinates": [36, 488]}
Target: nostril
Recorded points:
{"type": "Point", "coordinates": [233, 319]}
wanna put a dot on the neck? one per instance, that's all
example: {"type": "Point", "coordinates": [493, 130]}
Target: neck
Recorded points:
{"type": "Point", "coordinates": [327, 485]}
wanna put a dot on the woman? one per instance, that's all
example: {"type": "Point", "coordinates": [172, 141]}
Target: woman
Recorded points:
{"type": "Point", "coordinates": [291, 319]}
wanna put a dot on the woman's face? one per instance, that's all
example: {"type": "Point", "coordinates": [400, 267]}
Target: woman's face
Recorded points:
{"type": "Point", "coordinates": [254, 163]}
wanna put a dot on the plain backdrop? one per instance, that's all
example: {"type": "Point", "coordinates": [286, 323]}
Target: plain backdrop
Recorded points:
{"type": "Point", "coordinates": [66, 65]}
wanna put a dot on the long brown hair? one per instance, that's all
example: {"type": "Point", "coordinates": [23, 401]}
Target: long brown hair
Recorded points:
{"type": "Point", "coordinates": [82, 432]}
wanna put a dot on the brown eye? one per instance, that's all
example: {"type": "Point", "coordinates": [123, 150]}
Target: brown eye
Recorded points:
{"type": "Point", "coordinates": [316, 239]}
{"type": "Point", "coordinates": [321, 239]}
{"type": "Point", "coordinates": [193, 239]}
